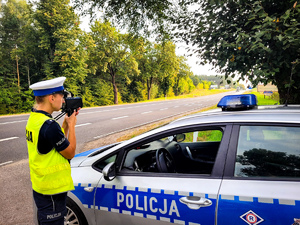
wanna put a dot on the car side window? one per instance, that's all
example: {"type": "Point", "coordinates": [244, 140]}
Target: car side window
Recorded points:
{"type": "Point", "coordinates": [203, 136]}
{"type": "Point", "coordinates": [268, 151]}
{"type": "Point", "coordinates": [102, 163]}
{"type": "Point", "coordinates": [192, 152]}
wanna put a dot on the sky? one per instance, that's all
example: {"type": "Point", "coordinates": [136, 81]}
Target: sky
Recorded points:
{"type": "Point", "coordinates": [192, 62]}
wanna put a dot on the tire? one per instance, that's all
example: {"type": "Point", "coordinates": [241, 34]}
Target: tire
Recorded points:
{"type": "Point", "coordinates": [74, 215]}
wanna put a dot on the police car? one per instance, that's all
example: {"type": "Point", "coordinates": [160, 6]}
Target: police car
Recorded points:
{"type": "Point", "coordinates": [226, 167]}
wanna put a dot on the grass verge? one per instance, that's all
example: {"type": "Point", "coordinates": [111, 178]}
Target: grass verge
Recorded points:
{"type": "Point", "coordinates": [265, 100]}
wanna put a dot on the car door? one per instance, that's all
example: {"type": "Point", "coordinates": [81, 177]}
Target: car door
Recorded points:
{"type": "Point", "coordinates": [139, 194]}
{"type": "Point", "coordinates": [262, 176]}
{"type": "Point", "coordinates": [85, 182]}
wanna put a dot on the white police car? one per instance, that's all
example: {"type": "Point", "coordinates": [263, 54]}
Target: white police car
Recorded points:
{"type": "Point", "coordinates": [240, 167]}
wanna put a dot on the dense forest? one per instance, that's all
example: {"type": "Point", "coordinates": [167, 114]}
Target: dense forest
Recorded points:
{"type": "Point", "coordinates": [104, 66]}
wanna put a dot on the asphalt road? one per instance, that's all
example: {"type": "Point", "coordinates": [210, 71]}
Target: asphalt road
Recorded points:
{"type": "Point", "coordinates": [97, 122]}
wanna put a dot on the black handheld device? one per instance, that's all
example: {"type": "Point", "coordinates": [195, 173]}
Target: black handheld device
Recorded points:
{"type": "Point", "coordinates": [71, 104]}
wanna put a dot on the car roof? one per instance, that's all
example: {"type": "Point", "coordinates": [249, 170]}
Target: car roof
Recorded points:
{"type": "Point", "coordinates": [274, 114]}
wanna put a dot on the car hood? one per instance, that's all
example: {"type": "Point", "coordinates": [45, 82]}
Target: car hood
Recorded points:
{"type": "Point", "coordinates": [81, 157]}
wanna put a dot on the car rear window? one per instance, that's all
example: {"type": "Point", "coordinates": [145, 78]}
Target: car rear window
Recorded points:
{"type": "Point", "coordinates": [268, 151]}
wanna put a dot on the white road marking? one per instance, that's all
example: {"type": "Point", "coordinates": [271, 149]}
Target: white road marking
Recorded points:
{"type": "Point", "coordinates": [81, 113]}
{"type": "Point", "coordinates": [84, 124]}
{"type": "Point", "coordinates": [147, 112]}
{"type": "Point", "coordinates": [163, 109]}
{"type": "Point", "coordinates": [121, 117]}
{"type": "Point", "coordinates": [19, 121]}
{"type": "Point", "coordinates": [5, 163]}
{"type": "Point", "coordinates": [7, 139]}
{"type": "Point", "coordinates": [109, 110]}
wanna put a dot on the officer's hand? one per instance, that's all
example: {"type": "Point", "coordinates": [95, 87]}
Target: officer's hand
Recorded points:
{"type": "Point", "coordinates": [77, 111]}
{"type": "Point", "coordinates": [71, 120]}
{"type": "Point", "coordinates": [65, 124]}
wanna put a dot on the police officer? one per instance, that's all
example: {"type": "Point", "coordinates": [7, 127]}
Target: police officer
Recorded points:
{"type": "Point", "coordinates": [50, 147]}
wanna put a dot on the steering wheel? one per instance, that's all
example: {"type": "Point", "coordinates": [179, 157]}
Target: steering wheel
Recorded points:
{"type": "Point", "coordinates": [164, 161]}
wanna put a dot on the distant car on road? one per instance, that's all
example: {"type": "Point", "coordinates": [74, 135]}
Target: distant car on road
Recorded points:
{"type": "Point", "coordinates": [225, 167]}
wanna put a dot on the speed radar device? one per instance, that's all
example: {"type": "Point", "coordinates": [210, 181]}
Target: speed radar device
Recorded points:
{"type": "Point", "coordinates": [71, 103]}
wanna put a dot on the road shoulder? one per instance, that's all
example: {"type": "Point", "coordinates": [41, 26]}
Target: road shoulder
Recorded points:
{"type": "Point", "coordinates": [16, 194]}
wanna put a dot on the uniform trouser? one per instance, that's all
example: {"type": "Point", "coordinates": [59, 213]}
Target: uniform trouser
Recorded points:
{"type": "Point", "coordinates": [51, 209]}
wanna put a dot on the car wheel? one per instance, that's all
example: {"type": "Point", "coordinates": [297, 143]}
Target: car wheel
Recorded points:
{"type": "Point", "coordinates": [74, 214]}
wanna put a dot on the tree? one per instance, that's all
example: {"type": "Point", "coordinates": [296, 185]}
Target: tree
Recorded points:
{"type": "Point", "coordinates": [16, 36]}
{"type": "Point", "coordinates": [100, 92]}
{"type": "Point", "coordinates": [14, 19]}
{"type": "Point", "coordinates": [169, 66]}
{"type": "Point", "coordinates": [183, 83]}
{"type": "Point", "coordinates": [60, 38]}
{"type": "Point", "coordinates": [28, 49]}
{"type": "Point", "coordinates": [147, 16]}
{"type": "Point", "coordinates": [257, 39]}
{"type": "Point", "coordinates": [111, 55]}
{"type": "Point", "coordinates": [149, 65]}
{"type": "Point", "coordinates": [218, 80]}
{"type": "Point", "coordinates": [196, 79]}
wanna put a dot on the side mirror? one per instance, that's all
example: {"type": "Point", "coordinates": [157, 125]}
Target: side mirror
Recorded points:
{"type": "Point", "coordinates": [180, 137]}
{"type": "Point", "coordinates": [109, 171]}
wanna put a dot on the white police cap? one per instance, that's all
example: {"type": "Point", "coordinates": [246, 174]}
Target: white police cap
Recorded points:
{"type": "Point", "coordinates": [48, 86]}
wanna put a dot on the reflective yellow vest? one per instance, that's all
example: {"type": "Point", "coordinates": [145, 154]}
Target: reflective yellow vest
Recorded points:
{"type": "Point", "coordinates": [50, 173]}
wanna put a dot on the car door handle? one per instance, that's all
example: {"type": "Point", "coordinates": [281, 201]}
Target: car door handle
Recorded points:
{"type": "Point", "coordinates": [195, 202]}
{"type": "Point", "coordinates": [89, 189]}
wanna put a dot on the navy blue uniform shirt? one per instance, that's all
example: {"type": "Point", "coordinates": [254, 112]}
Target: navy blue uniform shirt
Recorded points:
{"type": "Point", "coordinates": [51, 136]}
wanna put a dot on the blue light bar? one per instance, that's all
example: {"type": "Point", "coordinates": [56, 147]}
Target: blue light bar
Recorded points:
{"type": "Point", "coordinates": [238, 102]}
